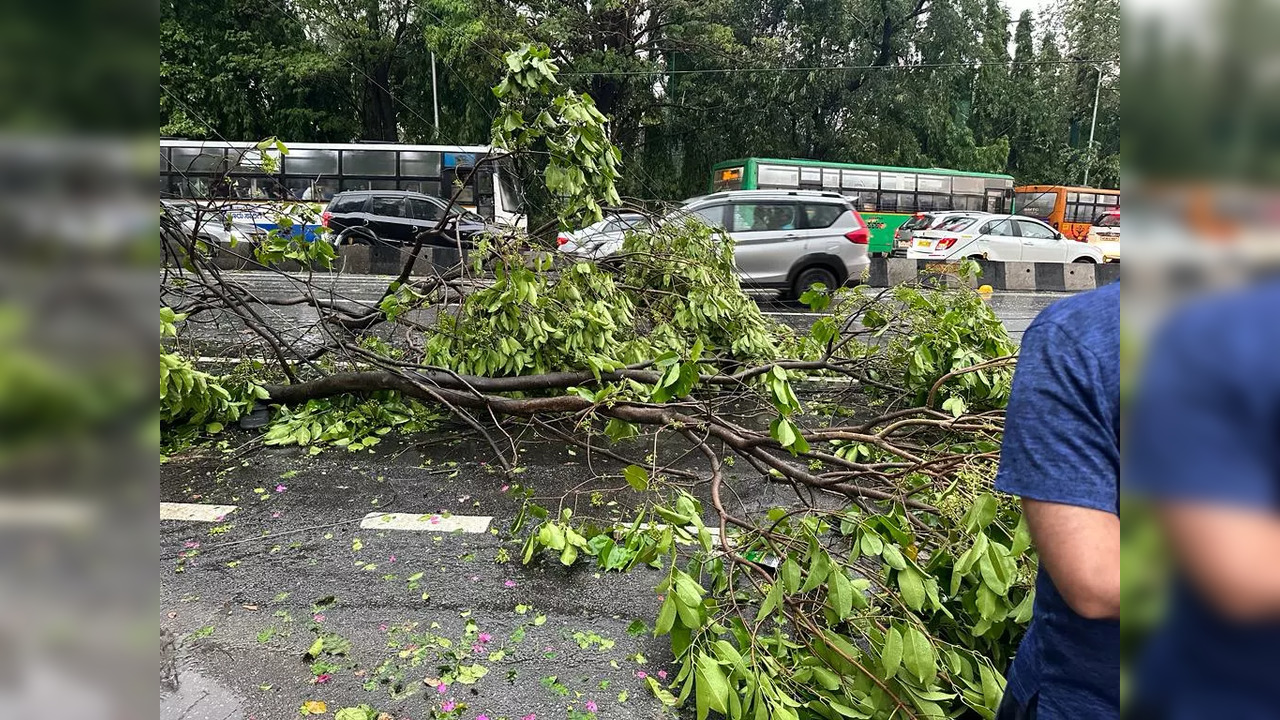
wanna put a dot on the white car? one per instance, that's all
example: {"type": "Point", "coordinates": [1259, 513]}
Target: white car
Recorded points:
{"type": "Point", "coordinates": [905, 233]}
{"type": "Point", "coordinates": [221, 224]}
{"type": "Point", "coordinates": [601, 239]}
{"type": "Point", "coordinates": [1004, 238]}
{"type": "Point", "coordinates": [1105, 235]}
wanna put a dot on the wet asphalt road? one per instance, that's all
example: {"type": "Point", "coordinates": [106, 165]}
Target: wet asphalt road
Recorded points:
{"type": "Point", "coordinates": [298, 323]}
{"type": "Point", "coordinates": [240, 595]}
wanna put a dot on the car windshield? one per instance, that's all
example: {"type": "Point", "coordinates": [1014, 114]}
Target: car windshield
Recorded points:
{"type": "Point", "coordinates": [1108, 220]}
{"type": "Point", "coordinates": [959, 224]}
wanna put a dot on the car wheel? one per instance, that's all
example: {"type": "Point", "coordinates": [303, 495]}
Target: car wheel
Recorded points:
{"type": "Point", "coordinates": [1086, 259]}
{"type": "Point", "coordinates": [810, 276]}
{"type": "Point", "coordinates": [358, 237]}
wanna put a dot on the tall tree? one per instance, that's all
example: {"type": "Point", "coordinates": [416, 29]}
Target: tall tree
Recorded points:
{"type": "Point", "coordinates": [244, 70]}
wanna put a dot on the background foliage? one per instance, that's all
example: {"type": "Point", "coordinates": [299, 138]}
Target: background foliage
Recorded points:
{"type": "Point", "coordinates": [683, 83]}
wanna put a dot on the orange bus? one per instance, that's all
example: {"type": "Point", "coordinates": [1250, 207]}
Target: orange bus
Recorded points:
{"type": "Point", "coordinates": [1071, 210]}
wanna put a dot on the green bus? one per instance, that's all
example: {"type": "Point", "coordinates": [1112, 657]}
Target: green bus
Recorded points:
{"type": "Point", "coordinates": [885, 196]}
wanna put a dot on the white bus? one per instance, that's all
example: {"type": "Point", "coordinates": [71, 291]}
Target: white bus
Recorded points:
{"type": "Point", "coordinates": [482, 177]}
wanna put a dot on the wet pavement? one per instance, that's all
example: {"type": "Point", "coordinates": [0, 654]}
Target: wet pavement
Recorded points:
{"type": "Point", "coordinates": [244, 598]}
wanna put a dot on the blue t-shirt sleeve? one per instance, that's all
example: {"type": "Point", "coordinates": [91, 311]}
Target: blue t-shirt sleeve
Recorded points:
{"type": "Point", "coordinates": [1203, 423]}
{"type": "Point", "coordinates": [1061, 441]}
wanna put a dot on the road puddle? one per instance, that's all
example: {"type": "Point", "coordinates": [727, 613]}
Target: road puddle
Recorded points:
{"type": "Point", "coordinates": [186, 693]}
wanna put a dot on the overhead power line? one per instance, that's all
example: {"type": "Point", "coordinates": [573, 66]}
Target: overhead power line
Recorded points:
{"type": "Point", "coordinates": [831, 68]}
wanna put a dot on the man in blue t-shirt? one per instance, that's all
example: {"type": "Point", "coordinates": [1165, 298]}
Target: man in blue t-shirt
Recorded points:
{"type": "Point", "coordinates": [1204, 445]}
{"type": "Point", "coordinates": [1061, 455]}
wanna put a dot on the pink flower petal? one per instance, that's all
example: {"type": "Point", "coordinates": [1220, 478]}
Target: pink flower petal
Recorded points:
{"type": "Point", "coordinates": [318, 618]}
{"type": "Point", "coordinates": [662, 674]}
{"type": "Point", "coordinates": [485, 637]}
{"type": "Point", "coordinates": [510, 583]}
{"type": "Point", "coordinates": [442, 688]}
{"type": "Point", "coordinates": [641, 674]}
{"type": "Point", "coordinates": [591, 706]}
{"type": "Point", "coordinates": [281, 488]}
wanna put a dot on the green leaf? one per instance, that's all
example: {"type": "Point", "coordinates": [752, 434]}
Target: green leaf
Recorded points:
{"type": "Point", "coordinates": [771, 601]}
{"type": "Point", "coordinates": [840, 592]}
{"type": "Point", "coordinates": [711, 683]}
{"type": "Point", "coordinates": [981, 513]}
{"type": "Point", "coordinates": [1021, 537]}
{"type": "Point", "coordinates": [363, 712]}
{"type": "Point", "coordinates": [637, 477]}
{"type": "Point", "coordinates": [317, 647]}
{"type": "Point", "coordinates": [826, 678]}
{"type": "Point", "coordinates": [789, 571]}
{"type": "Point", "coordinates": [892, 557]}
{"type": "Point", "coordinates": [911, 583]}
{"type": "Point", "coordinates": [991, 690]}
{"type": "Point", "coordinates": [891, 655]}
{"type": "Point", "coordinates": [819, 567]}
{"type": "Point", "coordinates": [729, 654]}
{"type": "Point", "coordinates": [918, 656]}
{"type": "Point", "coordinates": [666, 616]}
{"type": "Point", "coordinates": [994, 571]}
{"type": "Point", "coordinates": [665, 697]}
{"type": "Point", "coordinates": [870, 543]}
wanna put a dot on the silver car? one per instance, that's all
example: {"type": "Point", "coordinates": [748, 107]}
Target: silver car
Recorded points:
{"type": "Point", "coordinates": [789, 239]}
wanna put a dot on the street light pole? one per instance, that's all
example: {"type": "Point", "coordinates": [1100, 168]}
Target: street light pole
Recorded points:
{"type": "Point", "coordinates": [1093, 126]}
{"type": "Point", "coordinates": [435, 98]}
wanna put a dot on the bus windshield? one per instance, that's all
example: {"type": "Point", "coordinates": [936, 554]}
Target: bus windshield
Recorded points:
{"type": "Point", "coordinates": [1037, 204]}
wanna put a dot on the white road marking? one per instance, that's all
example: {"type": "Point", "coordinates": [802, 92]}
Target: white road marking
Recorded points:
{"type": "Point", "coordinates": [428, 522]}
{"type": "Point", "coordinates": [195, 512]}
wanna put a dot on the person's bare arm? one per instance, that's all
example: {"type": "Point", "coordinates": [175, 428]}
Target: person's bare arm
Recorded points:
{"type": "Point", "coordinates": [1230, 555]}
{"type": "Point", "coordinates": [1080, 548]}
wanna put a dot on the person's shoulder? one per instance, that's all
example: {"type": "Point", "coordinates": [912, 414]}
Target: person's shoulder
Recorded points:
{"type": "Point", "coordinates": [1235, 329]}
{"type": "Point", "coordinates": [1090, 318]}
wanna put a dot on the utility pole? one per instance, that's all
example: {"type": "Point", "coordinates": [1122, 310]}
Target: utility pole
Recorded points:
{"type": "Point", "coordinates": [435, 99]}
{"type": "Point", "coordinates": [1093, 125]}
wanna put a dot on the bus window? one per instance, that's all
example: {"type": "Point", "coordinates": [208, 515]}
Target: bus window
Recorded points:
{"type": "Point", "coordinates": [811, 177]}
{"type": "Point", "coordinates": [831, 179]}
{"type": "Point", "coordinates": [934, 184]}
{"type": "Point", "coordinates": [860, 180]}
{"type": "Point", "coordinates": [310, 163]}
{"type": "Point", "coordinates": [368, 162]}
{"type": "Point", "coordinates": [420, 164]}
{"type": "Point", "coordinates": [967, 185]}
{"type": "Point", "coordinates": [426, 187]}
{"type": "Point", "coordinates": [898, 181]}
{"type": "Point", "coordinates": [778, 176]}
{"type": "Point", "coordinates": [367, 184]}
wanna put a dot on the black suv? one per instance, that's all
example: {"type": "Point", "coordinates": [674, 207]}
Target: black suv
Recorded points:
{"type": "Point", "coordinates": [395, 217]}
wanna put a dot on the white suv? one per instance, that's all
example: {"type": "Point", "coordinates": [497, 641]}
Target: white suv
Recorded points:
{"type": "Point", "coordinates": [789, 239]}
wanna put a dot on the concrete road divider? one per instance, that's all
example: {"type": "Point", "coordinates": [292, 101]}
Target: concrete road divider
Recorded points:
{"type": "Point", "coordinates": [1026, 276]}
{"type": "Point", "coordinates": [884, 272]}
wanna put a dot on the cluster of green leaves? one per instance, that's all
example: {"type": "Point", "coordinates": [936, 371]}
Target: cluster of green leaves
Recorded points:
{"type": "Point", "coordinates": [691, 289]}
{"type": "Point", "coordinates": [286, 240]}
{"type": "Point", "coordinates": [532, 321]}
{"type": "Point", "coordinates": [537, 112]}
{"type": "Point", "coordinates": [355, 423]}
{"type": "Point", "coordinates": [609, 547]}
{"type": "Point", "coordinates": [934, 332]}
{"type": "Point", "coordinates": [192, 399]}
{"type": "Point", "coordinates": [856, 623]}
